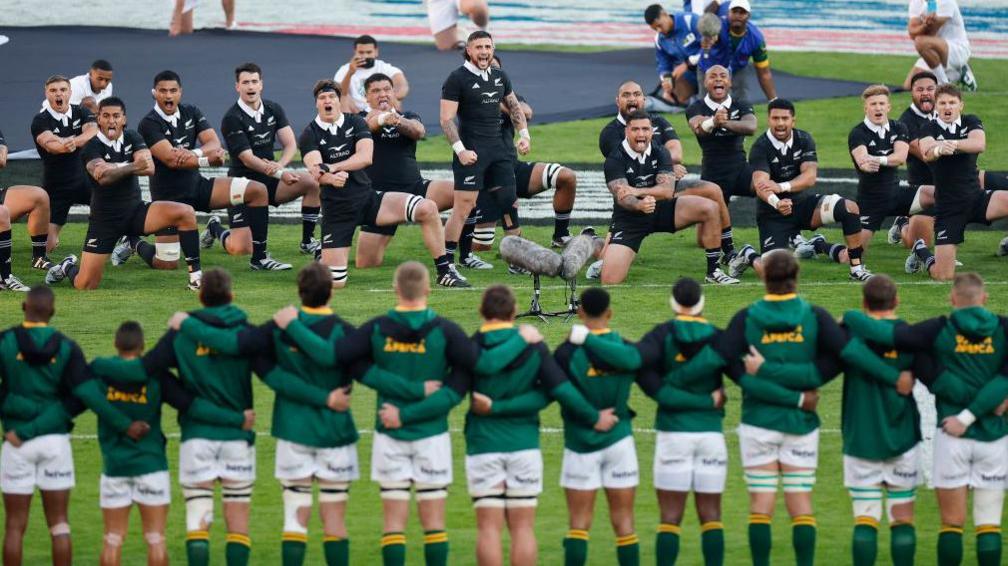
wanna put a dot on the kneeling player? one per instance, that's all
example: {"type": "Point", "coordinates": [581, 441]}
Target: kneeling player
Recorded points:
{"type": "Point", "coordinates": [114, 159]}
{"type": "Point", "coordinates": [16, 202]}
{"type": "Point", "coordinates": [639, 176]}
{"type": "Point", "coordinates": [337, 147]}
{"type": "Point", "coordinates": [784, 164]}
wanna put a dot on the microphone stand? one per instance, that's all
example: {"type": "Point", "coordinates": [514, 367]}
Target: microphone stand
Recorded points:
{"type": "Point", "coordinates": [535, 308]}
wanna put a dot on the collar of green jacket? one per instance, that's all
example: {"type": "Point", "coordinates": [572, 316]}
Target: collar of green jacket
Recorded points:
{"type": "Point", "coordinates": [778, 312]}
{"type": "Point", "coordinates": [690, 329]}
{"type": "Point", "coordinates": [975, 322]}
{"type": "Point", "coordinates": [116, 368]}
{"type": "Point", "coordinates": [38, 344]}
{"type": "Point", "coordinates": [492, 335]}
{"type": "Point", "coordinates": [225, 316]}
{"type": "Point", "coordinates": [413, 319]}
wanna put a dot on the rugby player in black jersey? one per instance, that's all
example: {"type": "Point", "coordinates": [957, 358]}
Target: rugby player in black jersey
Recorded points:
{"type": "Point", "coordinates": [251, 128]}
{"type": "Point", "coordinates": [785, 166]}
{"type": "Point", "coordinates": [473, 94]}
{"type": "Point", "coordinates": [950, 145]}
{"type": "Point", "coordinates": [114, 159]}
{"type": "Point", "coordinates": [172, 131]}
{"type": "Point", "coordinates": [393, 167]}
{"type": "Point", "coordinates": [907, 229]}
{"type": "Point", "coordinates": [15, 202]}
{"type": "Point", "coordinates": [60, 131]}
{"type": "Point", "coordinates": [337, 147]}
{"type": "Point", "coordinates": [639, 175]}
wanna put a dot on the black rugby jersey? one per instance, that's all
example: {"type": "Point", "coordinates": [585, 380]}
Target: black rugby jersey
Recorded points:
{"type": "Point", "coordinates": [640, 171]}
{"type": "Point", "coordinates": [124, 193]}
{"type": "Point", "coordinates": [242, 132]}
{"type": "Point", "coordinates": [394, 163]}
{"type": "Point", "coordinates": [875, 190]}
{"type": "Point", "coordinates": [782, 164]}
{"type": "Point", "coordinates": [614, 132]}
{"type": "Point", "coordinates": [918, 172]}
{"type": "Point", "coordinates": [338, 142]}
{"type": "Point", "coordinates": [61, 168]}
{"type": "Point", "coordinates": [956, 177]}
{"type": "Point", "coordinates": [167, 183]}
{"type": "Point", "coordinates": [479, 101]}
{"type": "Point", "coordinates": [722, 149]}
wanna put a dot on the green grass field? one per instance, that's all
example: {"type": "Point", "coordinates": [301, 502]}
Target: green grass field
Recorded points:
{"type": "Point", "coordinates": [135, 292]}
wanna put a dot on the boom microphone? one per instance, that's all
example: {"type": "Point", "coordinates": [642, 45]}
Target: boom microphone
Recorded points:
{"type": "Point", "coordinates": [531, 256]}
{"type": "Point", "coordinates": [577, 253]}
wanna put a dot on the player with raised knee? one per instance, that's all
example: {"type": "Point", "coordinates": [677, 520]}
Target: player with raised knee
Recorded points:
{"type": "Point", "coordinates": [114, 160]}
{"type": "Point", "coordinates": [16, 202]}
{"type": "Point", "coordinates": [640, 176]}
{"type": "Point", "coordinates": [251, 128]}
{"type": "Point", "coordinates": [134, 465]}
{"type": "Point", "coordinates": [172, 132]}
{"type": "Point", "coordinates": [775, 440]}
{"type": "Point", "coordinates": [337, 147]}
{"type": "Point", "coordinates": [785, 165]}
{"type": "Point", "coordinates": [212, 453]}
{"type": "Point", "coordinates": [971, 446]}
{"type": "Point", "coordinates": [393, 166]}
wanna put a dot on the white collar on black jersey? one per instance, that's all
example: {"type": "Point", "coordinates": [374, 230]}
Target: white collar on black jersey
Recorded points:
{"type": "Point", "coordinates": [620, 119]}
{"type": "Point", "coordinates": [115, 144]}
{"type": "Point", "coordinates": [331, 128]}
{"type": "Point", "coordinates": [780, 146]}
{"type": "Point", "coordinates": [715, 105]}
{"type": "Point", "coordinates": [640, 157]}
{"type": "Point", "coordinates": [483, 74]}
{"type": "Point", "coordinates": [951, 128]}
{"type": "Point", "coordinates": [915, 110]}
{"type": "Point", "coordinates": [63, 118]}
{"type": "Point", "coordinates": [880, 131]}
{"type": "Point", "coordinates": [255, 114]}
{"type": "Point", "coordinates": [171, 119]}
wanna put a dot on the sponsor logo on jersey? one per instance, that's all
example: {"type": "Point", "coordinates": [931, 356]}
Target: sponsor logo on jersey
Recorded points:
{"type": "Point", "coordinates": [263, 136]}
{"type": "Point", "coordinates": [788, 336]}
{"type": "Point", "coordinates": [138, 397]}
{"type": "Point", "coordinates": [251, 129]}
{"type": "Point", "coordinates": [475, 86]}
{"type": "Point", "coordinates": [202, 350]}
{"type": "Point", "coordinates": [391, 345]}
{"type": "Point", "coordinates": [339, 147]}
{"type": "Point", "coordinates": [965, 346]}
{"type": "Point", "coordinates": [644, 178]}
{"type": "Point", "coordinates": [595, 372]}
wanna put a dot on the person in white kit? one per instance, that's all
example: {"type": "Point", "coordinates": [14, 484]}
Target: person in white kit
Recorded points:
{"type": "Point", "coordinates": [443, 16]}
{"type": "Point", "coordinates": [939, 36]}
{"type": "Point", "coordinates": [363, 64]}
{"type": "Point", "coordinates": [92, 87]}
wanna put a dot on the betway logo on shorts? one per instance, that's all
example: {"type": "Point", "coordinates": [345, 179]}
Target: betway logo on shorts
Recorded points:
{"type": "Point", "coordinates": [434, 472]}
{"type": "Point", "coordinates": [624, 475]}
{"type": "Point", "coordinates": [525, 480]}
{"type": "Point", "coordinates": [245, 468]}
{"type": "Point", "coordinates": [57, 474]}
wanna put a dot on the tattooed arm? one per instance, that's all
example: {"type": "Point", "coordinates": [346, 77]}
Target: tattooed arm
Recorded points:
{"type": "Point", "coordinates": [520, 124]}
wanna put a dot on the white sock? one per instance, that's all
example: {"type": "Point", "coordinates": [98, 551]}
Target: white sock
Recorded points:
{"type": "Point", "coordinates": [939, 71]}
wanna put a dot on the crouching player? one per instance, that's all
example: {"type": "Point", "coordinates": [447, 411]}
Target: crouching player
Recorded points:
{"type": "Point", "coordinates": [135, 470]}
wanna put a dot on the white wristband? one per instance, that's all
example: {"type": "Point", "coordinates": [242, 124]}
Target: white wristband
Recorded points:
{"type": "Point", "coordinates": [203, 161]}
{"type": "Point", "coordinates": [524, 133]}
{"type": "Point", "coordinates": [883, 161]}
{"type": "Point", "coordinates": [458, 147]}
{"type": "Point", "coordinates": [382, 117]}
{"type": "Point", "coordinates": [279, 173]}
{"type": "Point", "coordinates": [801, 399]}
{"type": "Point", "coordinates": [707, 125]}
{"type": "Point", "coordinates": [773, 200]}
{"type": "Point", "coordinates": [198, 151]}
{"type": "Point", "coordinates": [966, 417]}
{"type": "Point", "coordinates": [937, 150]}
{"type": "Point", "coordinates": [785, 187]}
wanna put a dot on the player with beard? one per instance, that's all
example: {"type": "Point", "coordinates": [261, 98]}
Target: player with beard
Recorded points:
{"type": "Point", "coordinates": [251, 128]}
{"type": "Point", "coordinates": [483, 160]}
{"type": "Point", "coordinates": [337, 147]}
{"type": "Point", "coordinates": [114, 160]}
{"type": "Point", "coordinates": [172, 131]}
{"type": "Point", "coordinates": [677, 50]}
{"type": "Point", "coordinates": [639, 175]}
{"type": "Point", "coordinates": [950, 145]}
{"type": "Point", "coordinates": [785, 166]}
{"type": "Point", "coordinates": [393, 167]}
{"type": "Point", "coordinates": [60, 131]}
{"type": "Point", "coordinates": [16, 202]}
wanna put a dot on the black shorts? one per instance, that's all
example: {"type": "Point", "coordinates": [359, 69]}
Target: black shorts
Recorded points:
{"type": "Point", "coordinates": [62, 197]}
{"type": "Point", "coordinates": [340, 223]}
{"type": "Point", "coordinates": [103, 232]}
{"type": "Point", "coordinates": [776, 230]}
{"type": "Point", "coordinates": [523, 178]}
{"type": "Point", "coordinates": [419, 189]}
{"type": "Point", "coordinates": [494, 169]}
{"type": "Point", "coordinates": [873, 215]}
{"type": "Point", "coordinates": [3, 193]}
{"type": "Point", "coordinates": [197, 197]}
{"type": "Point", "coordinates": [950, 227]}
{"type": "Point", "coordinates": [271, 185]}
{"type": "Point", "coordinates": [737, 183]}
{"type": "Point", "coordinates": [630, 231]}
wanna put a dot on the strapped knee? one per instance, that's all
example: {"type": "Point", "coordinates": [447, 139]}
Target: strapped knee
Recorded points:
{"type": "Point", "coordinates": [896, 497]}
{"type": "Point", "coordinates": [550, 174]}
{"type": "Point", "coordinates": [296, 496]}
{"type": "Point", "coordinates": [987, 504]}
{"type": "Point", "coordinates": [510, 220]}
{"type": "Point", "coordinates": [484, 236]}
{"type": "Point", "coordinates": [916, 206]}
{"type": "Point", "coordinates": [237, 190]}
{"type": "Point", "coordinates": [236, 492]}
{"type": "Point", "coordinates": [199, 507]}
{"type": "Point", "coordinates": [492, 498]}
{"type": "Point", "coordinates": [799, 482]}
{"type": "Point", "coordinates": [334, 491]}
{"type": "Point", "coordinates": [412, 204]}
{"type": "Point", "coordinates": [520, 498]}
{"type": "Point", "coordinates": [60, 530]}
{"type": "Point", "coordinates": [867, 504]}
{"type": "Point", "coordinates": [431, 491]}
{"type": "Point", "coordinates": [395, 490]}
{"type": "Point", "coordinates": [113, 540]}
{"type": "Point", "coordinates": [339, 274]}
{"type": "Point", "coordinates": [167, 251]}
{"type": "Point", "coordinates": [827, 207]}
{"type": "Point", "coordinates": [154, 539]}
{"type": "Point", "coordinates": [762, 481]}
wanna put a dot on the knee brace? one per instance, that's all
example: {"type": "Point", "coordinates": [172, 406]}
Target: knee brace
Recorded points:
{"type": "Point", "coordinates": [896, 497]}
{"type": "Point", "coordinates": [867, 503]}
{"type": "Point", "coordinates": [484, 236]}
{"type": "Point", "coordinates": [395, 490]}
{"type": "Point", "coordinates": [333, 491]}
{"type": "Point", "coordinates": [167, 251]}
{"type": "Point", "coordinates": [154, 539]}
{"type": "Point", "coordinates": [799, 482]}
{"type": "Point", "coordinates": [509, 220]}
{"type": "Point", "coordinates": [761, 481]}
{"type": "Point", "coordinates": [339, 273]}
{"type": "Point", "coordinates": [237, 191]}
{"type": "Point", "coordinates": [492, 498]}
{"type": "Point", "coordinates": [295, 497]}
{"type": "Point", "coordinates": [915, 206]}
{"type": "Point", "coordinates": [518, 499]}
{"type": "Point", "coordinates": [113, 540]}
{"type": "Point", "coordinates": [60, 530]}
{"type": "Point", "coordinates": [412, 204]}
{"type": "Point", "coordinates": [550, 174]}
{"type": "Point", "coordinates": [827, 206]}
{"type": "Point", "coordinates": [430, 491]}
{"type": "Point", "coordinates": [987, 505]}
{"type": "Point", "coordinates": [199, 507]}
{"type": "Point", "coordinates": [236, 492]}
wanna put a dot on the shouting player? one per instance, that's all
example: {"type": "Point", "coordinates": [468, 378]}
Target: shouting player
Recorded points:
{"type": "Point", "coordinates": [916, 118]}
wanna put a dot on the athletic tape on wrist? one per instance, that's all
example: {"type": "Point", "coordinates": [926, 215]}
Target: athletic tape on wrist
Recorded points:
{"type": "Point", "coordinates": [198, 151]}
{"type": "Point", "coordinates": [203, 162]}
{"type": "Point", "coordinates": [458, 147]}
{"type": "Point", "coordinates": [279, 173]}
{"type": "Point", "coordinates": [524, 134]}
{"type": "Point", "coordinates": [785, 187]}
{"type": "Point", "coordinates": [883, 161]}
{"type": "Point", "coordinates": [707, 125]}
{"type": "Point", "coordinates": [773, 200]}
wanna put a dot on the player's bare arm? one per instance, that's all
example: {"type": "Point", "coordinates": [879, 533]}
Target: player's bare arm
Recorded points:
{"type": "Point", "coordinates": [975, 142]}
{"type": "Point", "coordinates": [109, 173]}
{"type": "Point", "coordinates": [88, 131]}
{"type": "Point", "coordinates": [520, 124]}
{"type": "Point", "coordinates": [746, 125]}
{"type": "Point", "coordinates": [696, 124]}
{"type": "Point", "coordinates": [865, 162]}
{"type": "Point", "coordinates": [313, 161]}
{"type": "Point", "coordinates": [664, 188]}
{"type": "Point", "coordinates": [288, 141]}
{"type": "Point", "coordinates": [765, 78]}
{"type": "Point", "coordinates": [400, 86]}
{"type": "Point", "coordinates": [55, 144]}
{"type": "Point", "coordinates": [674, 148]}
{"type": "Point", "coordinates": [361, 158]}
{"type": "Point", "coordinates": [3, 156]}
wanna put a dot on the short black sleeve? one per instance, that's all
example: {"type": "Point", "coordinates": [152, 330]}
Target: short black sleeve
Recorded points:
{"type": "Point", "coordinates": [280, 115]}
{"type": "Point", "coordinates": [613, 167]}
{"type": "Point", "coordinates": [743, 107]}
{"type": "Point", "coordinates": [972, 122]}
{"type": "Point", "coordinates": [809, 153]}
{"type": "Point", "coordinates": [412, 116]}
{"type": "Point", "coordinates": [856, 138]}
{"type": "Point", "coordinates": [507, 85]}
{"type": "Point", "coordinates": [151, 132]}
{"type": "Point", "coordinates": [86, 116]}
{"type": "Point", "coordinates": [759, 159]}
{"type": "Point", "coordinates": [38, 125]}
{"type": "Point", "coordinates": [235, 138]}
{"type": "Point", "coordinates": [665, 164]}
{"type": "Point", "coordinates": [452, 88]}
{"type": "Point", "coordinates": [695, 109]}
{"type": "Point", "coordinates": [664, 127]}
{"type": "Point", "coordinates": [92, 150]}
{"type": "Point", "coordinates": [901, 131]}
{"type": "Point", "coordinates": [361, 130]}
{"type": "Point", "coordinates": [199, 120]}
{"type": "Point", "coordinates": [133, 138]}
{"type": "Point", "coordinates": [307, 143]}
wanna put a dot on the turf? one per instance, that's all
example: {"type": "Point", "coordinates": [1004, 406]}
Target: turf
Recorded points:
{"type": "Point", "coordinates": [135, 292]}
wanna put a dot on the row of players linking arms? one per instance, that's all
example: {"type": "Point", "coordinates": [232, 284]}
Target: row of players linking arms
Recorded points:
{"type": "Point", "coordinates": [366, 167]}
{"type": "Point", "coordinates": [780, 350]}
